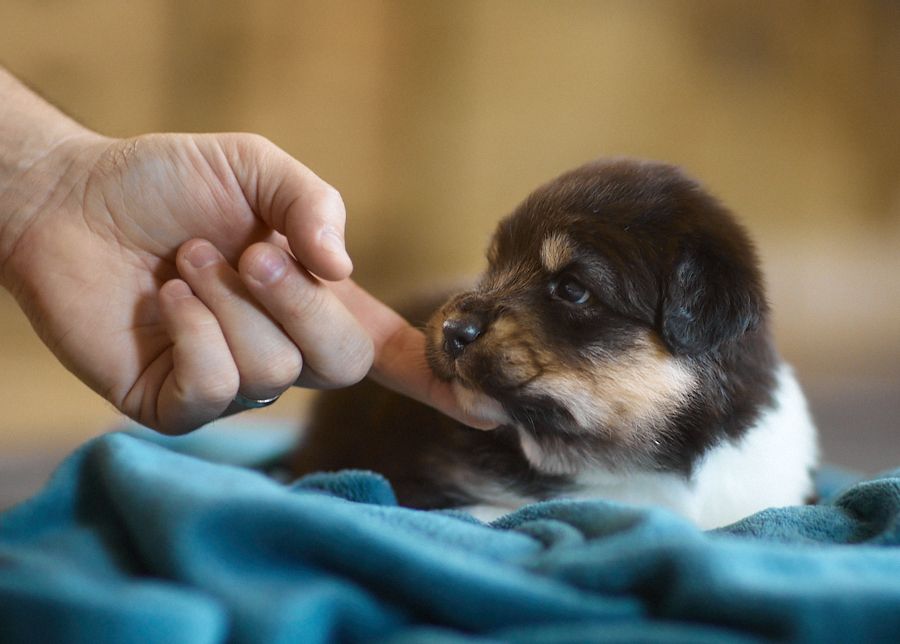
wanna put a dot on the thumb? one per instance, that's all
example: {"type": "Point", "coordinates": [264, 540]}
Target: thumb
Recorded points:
{"type": "Point", "coordinates": [292, 199]}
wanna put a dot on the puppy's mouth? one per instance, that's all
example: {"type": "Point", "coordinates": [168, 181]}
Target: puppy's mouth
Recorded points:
{"type": "Point", "coordinates": [606, 407]}
{"type": "Point", "coordinates": [476, 403]}
{"type": "Point", "coordinates": [548, 433]}
{"type": "Point", "coordinates": [489, 378]}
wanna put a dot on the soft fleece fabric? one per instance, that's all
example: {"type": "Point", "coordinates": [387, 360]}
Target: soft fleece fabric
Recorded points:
{"type": "Point", "coordinates": [134, 542]}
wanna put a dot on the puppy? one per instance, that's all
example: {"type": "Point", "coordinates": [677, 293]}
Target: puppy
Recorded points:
{"type": "Point", "coordinates": [620, 337]}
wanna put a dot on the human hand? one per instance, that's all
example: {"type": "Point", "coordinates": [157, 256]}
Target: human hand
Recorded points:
{"type": "Point", "coordinates": [126, 268]}
{"type": "Point", "coordinates": [97, 273]}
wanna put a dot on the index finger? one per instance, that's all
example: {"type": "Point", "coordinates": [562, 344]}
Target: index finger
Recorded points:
{"type": "Point", "coordinates": [291, 199]}
{"type": "Point", "coordinates": [400, 362]}
{"type": "Point", "coordinates": [336, 350]}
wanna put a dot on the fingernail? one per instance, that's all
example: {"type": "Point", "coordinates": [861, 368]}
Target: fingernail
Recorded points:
{"type": "Point", "coordinates": [178, 290]}
{"type": "Point", "coordinates": [201, 255]}
{"type": "Point", "coordinates": [333, 242]}
{"type": "Point", "coordinates": [267, 266]}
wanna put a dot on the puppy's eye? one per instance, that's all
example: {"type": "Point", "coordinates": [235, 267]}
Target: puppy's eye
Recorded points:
{"type": "Point", "coordinates": [567, 288]}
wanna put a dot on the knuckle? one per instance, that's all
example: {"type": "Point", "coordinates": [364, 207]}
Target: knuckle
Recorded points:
{"type": "Point", "coordinates": [247, 141]}
{"type": "Point", "coordinates": [328, 199]}
{"type": "Point", "coordinates": [251, 152]}
{"type": "Point", "coordinates": [257, 139]}
{"type": "Point", "coordinates": [360, 365]}
{"type": "Point", "coordinates": [354, 364]}
{"type": "Point", "coordinates": [219, 389]}
{"type": "Point", "coordinates": [280, 372]}
{"type": "Point", "coordinates": [333, 195]}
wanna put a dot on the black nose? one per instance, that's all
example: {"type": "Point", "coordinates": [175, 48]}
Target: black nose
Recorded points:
{"type": "Point", "coordinates": [461, 332]}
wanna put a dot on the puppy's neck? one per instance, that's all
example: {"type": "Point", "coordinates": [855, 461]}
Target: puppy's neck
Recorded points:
{"type": "Point", "coordinates": [768, 465]}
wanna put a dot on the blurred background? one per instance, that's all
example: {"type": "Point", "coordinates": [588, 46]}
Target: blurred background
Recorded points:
{"type": "Point", "coordinates": [434, 119]}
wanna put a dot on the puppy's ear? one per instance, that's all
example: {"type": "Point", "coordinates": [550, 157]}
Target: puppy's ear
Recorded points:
{"type": "Point", "coordinates": [712, 296]}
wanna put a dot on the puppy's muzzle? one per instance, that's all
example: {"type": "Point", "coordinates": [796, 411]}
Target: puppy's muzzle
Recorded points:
{"type": "Point", "coordinates": [461, 331]}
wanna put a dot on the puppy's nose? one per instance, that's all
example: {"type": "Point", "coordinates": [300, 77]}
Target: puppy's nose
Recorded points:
{"type": "Point", "coordinates": [461, 332]}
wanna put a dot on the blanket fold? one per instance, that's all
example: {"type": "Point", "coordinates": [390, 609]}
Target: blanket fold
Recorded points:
{"type": "Point", "coordinates": [132, 541]}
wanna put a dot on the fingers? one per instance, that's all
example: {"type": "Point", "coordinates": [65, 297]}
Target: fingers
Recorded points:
{"type": "Point", "coordinates": [202, 378]}
{"type": "Point", "coordinates": [272, 306]}
{"type": "Point", "coordinates": [336, 349]}
{"type": "Point", "coordinates": [399, 361]}
{"type": "Point", "coordinates": [291, 199]}
{"type": "Point", "coordinates": [267, 360]}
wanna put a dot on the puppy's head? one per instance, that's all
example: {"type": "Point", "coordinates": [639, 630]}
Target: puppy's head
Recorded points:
{"type": "Point", "coordinates": [616, 324]}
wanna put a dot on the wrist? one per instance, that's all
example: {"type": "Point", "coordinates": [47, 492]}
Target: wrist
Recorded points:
{"type": "Point", "coordinates": [39, 148]}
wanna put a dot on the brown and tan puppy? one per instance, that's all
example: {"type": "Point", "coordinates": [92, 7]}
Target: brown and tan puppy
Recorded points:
{"type": "Point", "coordinates": [620, 336]}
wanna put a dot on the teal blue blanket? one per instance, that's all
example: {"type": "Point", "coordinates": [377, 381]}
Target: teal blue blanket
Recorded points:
{"type": "Point", "coordinates": [134, 542]}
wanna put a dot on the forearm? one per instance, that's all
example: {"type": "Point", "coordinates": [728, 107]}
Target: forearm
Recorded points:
{"type": "Point", "coordinates": [31, 131]}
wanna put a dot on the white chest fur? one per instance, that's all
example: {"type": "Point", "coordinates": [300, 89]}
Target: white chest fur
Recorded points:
{"type": "Point", "coordinates": [769, 467]}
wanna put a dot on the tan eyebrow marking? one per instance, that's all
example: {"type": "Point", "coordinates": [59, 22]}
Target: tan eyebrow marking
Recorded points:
{"type": "Point", "coordinates": [556, 252]}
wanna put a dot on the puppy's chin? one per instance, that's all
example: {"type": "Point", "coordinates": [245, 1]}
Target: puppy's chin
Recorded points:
{"type": "Point", "coordinates": [480, 405]}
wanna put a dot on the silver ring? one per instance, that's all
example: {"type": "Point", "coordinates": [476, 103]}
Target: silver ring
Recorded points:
{"type": "Point", "coordinates": [250, 403]}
